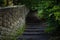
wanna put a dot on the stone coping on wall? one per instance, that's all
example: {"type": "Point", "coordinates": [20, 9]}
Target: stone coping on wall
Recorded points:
{"type": "Point", "coordinates": [12, 6]}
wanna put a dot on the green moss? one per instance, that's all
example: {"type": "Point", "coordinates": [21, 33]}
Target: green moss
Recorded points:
{"type": "Point", "coordinates": [19, 31]}
{"type": "Point", "coordinates": [14, 37]}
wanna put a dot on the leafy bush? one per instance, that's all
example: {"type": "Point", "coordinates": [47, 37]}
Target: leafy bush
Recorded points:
{"type": "Point", "coordinates": [53, 18]}
{"type": "Point", "coordinates": [4, 3]}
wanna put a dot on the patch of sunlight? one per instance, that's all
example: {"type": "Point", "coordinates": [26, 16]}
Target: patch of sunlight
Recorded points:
{"type": "Point", "coordinates": [40, 13]}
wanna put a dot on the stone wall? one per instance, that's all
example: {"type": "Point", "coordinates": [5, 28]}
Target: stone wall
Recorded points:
{"type": "Point", "coordinates": [11, 19]}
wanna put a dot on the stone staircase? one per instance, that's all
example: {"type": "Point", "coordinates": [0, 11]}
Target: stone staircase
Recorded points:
{"type": "Point", "coordinates": [34, 32]}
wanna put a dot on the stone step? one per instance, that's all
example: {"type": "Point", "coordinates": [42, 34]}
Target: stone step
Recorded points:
{"type": "Point", "coordinates": [30, 37]}
{"type": "Point", "coordinates": [33, 39]}
{"type": "Point", "coordinates": [35, 26]}
{"type": "Point", "coordinates": [34, 30]}
{"type": "Point", "coordinates": [32, 33]}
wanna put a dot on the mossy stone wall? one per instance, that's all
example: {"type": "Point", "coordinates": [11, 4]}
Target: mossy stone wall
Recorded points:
{"type": "Point", "coordinates": [11, 19]}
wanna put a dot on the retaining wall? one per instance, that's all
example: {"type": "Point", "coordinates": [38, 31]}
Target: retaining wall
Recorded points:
{"type": "Point", "coordinates": [11, 19]}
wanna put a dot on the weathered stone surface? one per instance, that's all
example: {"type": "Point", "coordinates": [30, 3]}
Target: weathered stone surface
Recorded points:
{"type": "Point", "coordinates": [11, 18]}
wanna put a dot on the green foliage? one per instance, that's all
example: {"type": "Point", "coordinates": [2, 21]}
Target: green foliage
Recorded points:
{"type": "Point", "coordinates": [33, 4]}
{"type": "Point", "coordinates": [48, 9]}
{"type": "Point", "coordinates": [1, 2]}
{"type": "Point", "coordinates": [20, 30]}
{"type": "Point", "coordinates": [4, 3]}
{"type": "Point", "coordinates": [40, 14]}
{"type": "Point", "coordinates": [53, 18]}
